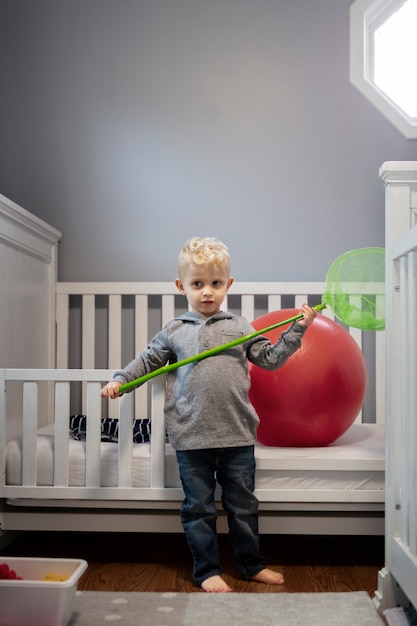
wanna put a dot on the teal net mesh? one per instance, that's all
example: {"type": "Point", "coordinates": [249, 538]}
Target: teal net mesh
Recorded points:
{"type": "Point", "coordinates": [355, 288]}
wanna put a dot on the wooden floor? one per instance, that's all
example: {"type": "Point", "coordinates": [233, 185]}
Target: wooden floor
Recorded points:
{"type": "Point", "coordinates": [156, 562]}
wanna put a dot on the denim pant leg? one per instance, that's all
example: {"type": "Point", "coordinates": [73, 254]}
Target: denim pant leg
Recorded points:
{"type": "Point", "coordinates": [198, 511]}
{"type": "Point", "coordinates": [236, 475]}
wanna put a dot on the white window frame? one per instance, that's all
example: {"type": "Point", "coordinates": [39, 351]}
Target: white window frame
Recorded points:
{"type": "Point", "coordinates": [365, 17]}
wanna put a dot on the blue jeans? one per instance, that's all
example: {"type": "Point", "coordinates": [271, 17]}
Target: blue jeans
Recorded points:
{"type": "Point", "coordinates": [234, 470]}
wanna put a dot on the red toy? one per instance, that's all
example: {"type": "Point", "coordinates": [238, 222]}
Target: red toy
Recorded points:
{"type": "Point", "coordinates": [316, 396]}
{"type": "Point", "coordinates": [7, 573]}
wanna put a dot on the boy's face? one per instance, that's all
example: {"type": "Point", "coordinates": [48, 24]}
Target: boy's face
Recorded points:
{"type": "Point", "coordinates": [205, 287]}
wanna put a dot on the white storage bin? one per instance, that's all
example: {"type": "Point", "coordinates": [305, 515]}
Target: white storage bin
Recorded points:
{"type": "Point", "coordinates": [34, 601]}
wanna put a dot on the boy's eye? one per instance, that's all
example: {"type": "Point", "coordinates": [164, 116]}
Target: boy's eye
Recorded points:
{"type": "Point", "coordinates": [198, 284]}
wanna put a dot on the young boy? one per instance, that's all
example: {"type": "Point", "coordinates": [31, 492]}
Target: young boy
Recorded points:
{"type": "Point", "coordinates": [210, 421]}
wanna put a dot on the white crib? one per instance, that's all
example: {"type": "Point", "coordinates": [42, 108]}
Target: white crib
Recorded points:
{"type": "Point", "coordinates": [338, 489]}
{"type": "Point", "coordinates": [398, 580]}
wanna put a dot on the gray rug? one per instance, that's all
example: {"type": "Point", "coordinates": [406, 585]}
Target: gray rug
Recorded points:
{"type": "Point", "coordinates": [229, 609]}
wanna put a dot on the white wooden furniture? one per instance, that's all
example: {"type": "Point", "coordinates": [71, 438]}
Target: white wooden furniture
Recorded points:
{"type": "Point", "coordinates": [28, 275]}
{"type": "Point", "coordinates": [28, 262]}
{"type": "Point", "coordinates": [398, 580]}
{"type": "Point", "coordinates": [333, 490]}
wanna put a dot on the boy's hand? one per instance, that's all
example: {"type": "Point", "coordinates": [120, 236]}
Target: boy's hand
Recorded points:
{"type": "Point", "coordinates": [111, 390]}
{"type": "Point", "coordinates": [308, 315]}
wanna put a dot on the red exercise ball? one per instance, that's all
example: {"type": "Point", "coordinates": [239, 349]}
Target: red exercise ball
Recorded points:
{"type": "Point", "coordinates": [316, 396]}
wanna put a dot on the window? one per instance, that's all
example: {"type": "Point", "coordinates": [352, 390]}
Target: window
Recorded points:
{"type": "Point", "coordinates": [383, 58]}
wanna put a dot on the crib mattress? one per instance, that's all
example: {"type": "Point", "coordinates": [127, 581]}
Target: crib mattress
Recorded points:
{"type": "Point", "coordinates": [355, 462]}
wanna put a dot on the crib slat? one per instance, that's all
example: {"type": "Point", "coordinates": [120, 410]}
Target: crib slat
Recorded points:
{"type": "Point", "coordinates": [125, 441]}
{"type": "Point", "coordinates": [141, 341]}
{"type": "Point", "coordinates": [93, 442]}
{"type": "Point", "coordinates": [62, 412]}
{"type": "Point", "coordinates": [380, 362]}
{"type": "Point", "coordinates": [274, 303]}
{"type": "Point", "coordinates": [62, 337]}
{"type": "Point", "coordinates": [88, 339]}
{"type": "Point", "coordinates": [88, 332]}
{"type": "Point", "coordinates": [356, 334]}
{"type": "Point", "coordinates": [158, 433]}
{"type": "Point", "coordinates": [168, 308]}
{"type": "Point", "coordinates": [248, 307]}
{"type": "Point", "coordinates": [115, 341]}
{"type": "Point", "coordinates": [300, 299]}
{"type": "Point", "coordinates": [380, 351]}
{"type": "Point", "coordinates": [115, 331]}
{"type": "Point", "coordinates": [141, 323]}
{"type": "Point", "coordinates": [30, 425]}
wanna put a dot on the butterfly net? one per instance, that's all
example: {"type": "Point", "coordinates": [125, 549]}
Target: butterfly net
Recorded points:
{"type": "Point", "coordinates": [355, 288]}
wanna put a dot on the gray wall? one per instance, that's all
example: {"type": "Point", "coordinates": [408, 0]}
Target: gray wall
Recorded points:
{"type": "Point", "coordinates": [131, 125]}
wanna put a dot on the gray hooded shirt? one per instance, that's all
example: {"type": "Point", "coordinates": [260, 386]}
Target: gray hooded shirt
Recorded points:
{"type": "Point", "coordinates": [206, 402]}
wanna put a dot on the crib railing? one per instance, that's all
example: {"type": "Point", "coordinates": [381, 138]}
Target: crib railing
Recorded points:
{"type": "Point", "coordinates": [22, 482]}
{"type": "Point", "coordinates": [104, 325]}
{"type": "Point", "coordinates": [33, 384]}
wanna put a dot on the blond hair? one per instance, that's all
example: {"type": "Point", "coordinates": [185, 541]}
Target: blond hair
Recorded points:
{"type": "Point", "coordinates": [203, 251]}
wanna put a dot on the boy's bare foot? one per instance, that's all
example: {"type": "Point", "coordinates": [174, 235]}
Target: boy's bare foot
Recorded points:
{"type": "Point", "coordinates": [215, 584]}
{"type": "Point", "coordinates": [269, 577]}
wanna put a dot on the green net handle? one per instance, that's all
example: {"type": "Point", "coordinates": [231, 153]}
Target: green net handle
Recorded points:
{"type": "Point", "coordinates": [212, 352]}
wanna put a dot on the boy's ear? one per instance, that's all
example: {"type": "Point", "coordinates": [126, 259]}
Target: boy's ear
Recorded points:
{"type": "Point", "coordinates": [230, 283]}
{"type": "Point", "coordinates": [179, 285]}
